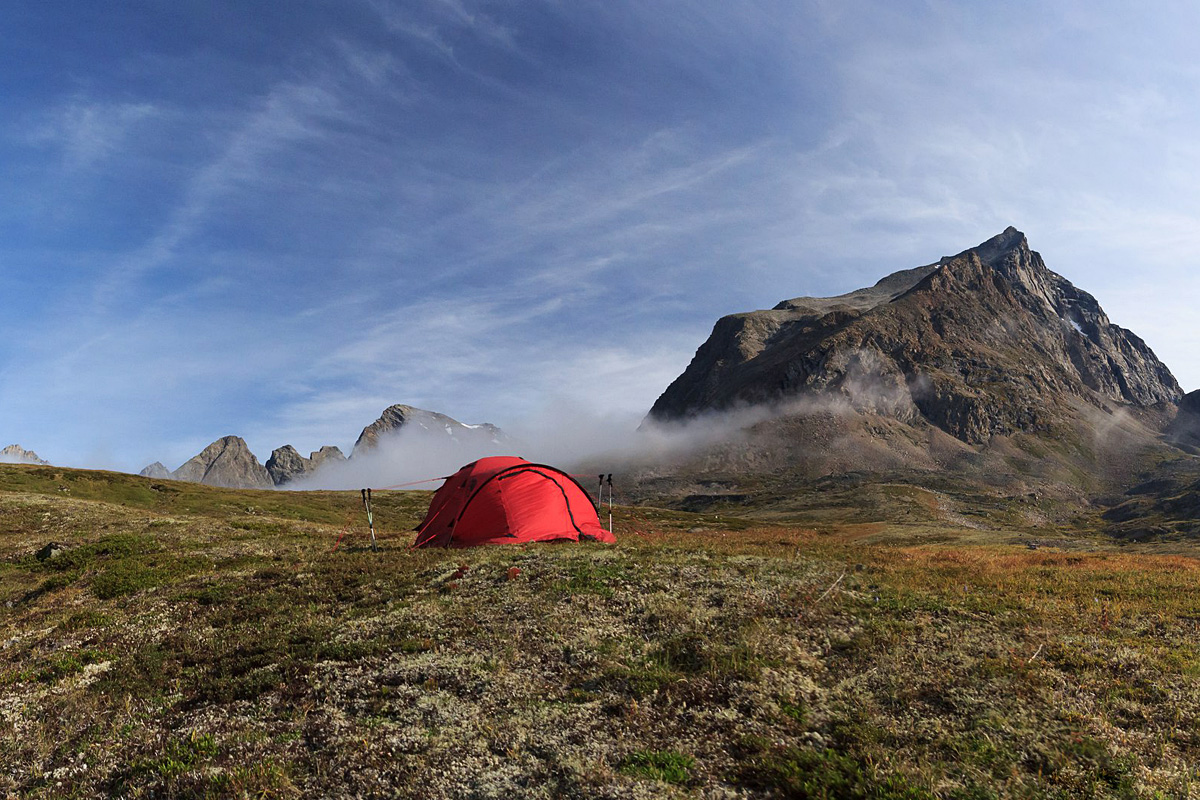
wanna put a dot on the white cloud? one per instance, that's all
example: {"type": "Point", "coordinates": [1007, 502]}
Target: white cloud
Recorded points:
{"type": "Point", "coordinates": [434, 22]}
{"type": "Point", "coordinates": [88, 132]}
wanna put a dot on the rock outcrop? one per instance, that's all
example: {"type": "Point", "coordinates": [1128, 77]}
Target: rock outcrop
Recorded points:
{"type": "Point", "coordinates": [15, 454]}
{"type": "Point", "coordinates": [327, 453]}
{"type": "Point", "coordinates": [287, 465]}
{"type": "Point", "coordinates": [410, 419]}
{"type": "Point", "coordinates": [226, 462]}
{"type": "Point", "coordinates": [988, 342]}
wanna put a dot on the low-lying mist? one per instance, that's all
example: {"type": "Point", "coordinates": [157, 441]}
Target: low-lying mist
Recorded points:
{"type": "Point", "coordinates": [564, 437]}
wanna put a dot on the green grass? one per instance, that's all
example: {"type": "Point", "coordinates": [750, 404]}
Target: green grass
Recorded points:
{"type": "Point", "coordinates": [249, 510]}
{"type": "Point", "coordinates": [821, 775]}
{"type": "Point", "coordinates": [667, 766]}
{"type": "Point", "coordinates": [178, 756]}
{"type": "Point", "coordinates": [66, 664]}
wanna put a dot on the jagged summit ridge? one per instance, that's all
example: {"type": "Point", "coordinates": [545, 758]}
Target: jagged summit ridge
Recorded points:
{"type": "Point", "coordinates": [892, 287]}
{"type": "Point", "coordinates": [986, 342]}
{"type": "Point", "coordinates": [885, 291]}
{"type": "Point", "coordinates": [1110, 360]}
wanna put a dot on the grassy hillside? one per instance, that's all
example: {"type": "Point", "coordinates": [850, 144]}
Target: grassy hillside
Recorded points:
{"type": "Point", "coordinates": [197, 642]}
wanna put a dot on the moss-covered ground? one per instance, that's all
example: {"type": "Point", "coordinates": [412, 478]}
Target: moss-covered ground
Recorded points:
{"type": "Point", "coordinates": [182, 641]}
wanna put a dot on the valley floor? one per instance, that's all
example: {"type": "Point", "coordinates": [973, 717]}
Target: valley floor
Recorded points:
{"type": "Point", "coordinates": [193, 642]}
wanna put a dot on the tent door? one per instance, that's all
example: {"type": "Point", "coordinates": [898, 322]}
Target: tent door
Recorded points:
{"type": "Point", "coordinates": [528, 498]}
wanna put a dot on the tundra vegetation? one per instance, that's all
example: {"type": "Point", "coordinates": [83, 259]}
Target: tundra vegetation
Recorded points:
{"type": "Point", "coordinates": [162, 639]}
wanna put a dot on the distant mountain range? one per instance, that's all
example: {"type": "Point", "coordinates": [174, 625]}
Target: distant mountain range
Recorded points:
{"type": "Point", "coordinates": [228, 461]}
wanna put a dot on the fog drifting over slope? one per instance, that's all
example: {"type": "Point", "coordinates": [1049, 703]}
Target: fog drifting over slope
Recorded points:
{"type": "Point", "coordinates": [560, 436]}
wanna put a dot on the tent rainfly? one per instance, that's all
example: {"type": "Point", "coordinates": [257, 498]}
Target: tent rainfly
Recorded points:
{"type": "Point", "coordinates": [508, 500]}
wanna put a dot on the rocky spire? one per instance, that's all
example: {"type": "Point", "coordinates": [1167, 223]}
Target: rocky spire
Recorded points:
{"type": "Point", "coordinates": [226, 462]}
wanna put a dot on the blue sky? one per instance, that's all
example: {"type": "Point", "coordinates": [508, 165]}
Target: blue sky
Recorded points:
{"type": "Point", "coordinates": [274, 220]}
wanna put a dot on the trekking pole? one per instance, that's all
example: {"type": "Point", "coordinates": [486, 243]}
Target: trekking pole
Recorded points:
{"type": "Point", "coordinates": [610, 503]}
{"type": "Point", "coordinates": [600, 495]}
{"type": "Point", "coordinates": [366, 498]}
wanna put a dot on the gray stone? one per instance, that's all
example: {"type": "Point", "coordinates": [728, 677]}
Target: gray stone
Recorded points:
{"type": "Point", "coordinates": [50, 551]}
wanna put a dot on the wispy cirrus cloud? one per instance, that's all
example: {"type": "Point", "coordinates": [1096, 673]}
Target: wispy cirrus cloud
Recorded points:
{"type": "Point", "coordinates": [87, 132]}
{"type": "Point", "coordinates": [289, 114]}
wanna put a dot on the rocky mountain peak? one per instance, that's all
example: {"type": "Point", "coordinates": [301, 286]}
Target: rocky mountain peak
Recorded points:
{"type": "Point", "coordinates": [1011, 244]}
{"type": "Point", "coordinates": [155, 470]}
{"type": "Point", "coordinates": [398, 417]}
{"type": "Point", "coordinates": [226, 462]}
{"type": "Point", "coordinates": [1007, 260]}
{"type": "Point", "coordinates": [986, 342]}
{"type": "Point", "coordinates": [15, 454]}
{"type": "Point", "coordinates": [287, 465]}
{"type": "Point", "coordinates": [326, 453]}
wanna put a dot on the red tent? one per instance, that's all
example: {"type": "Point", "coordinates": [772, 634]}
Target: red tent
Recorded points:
{"type": "Point", "coordinates": [507, 500]}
